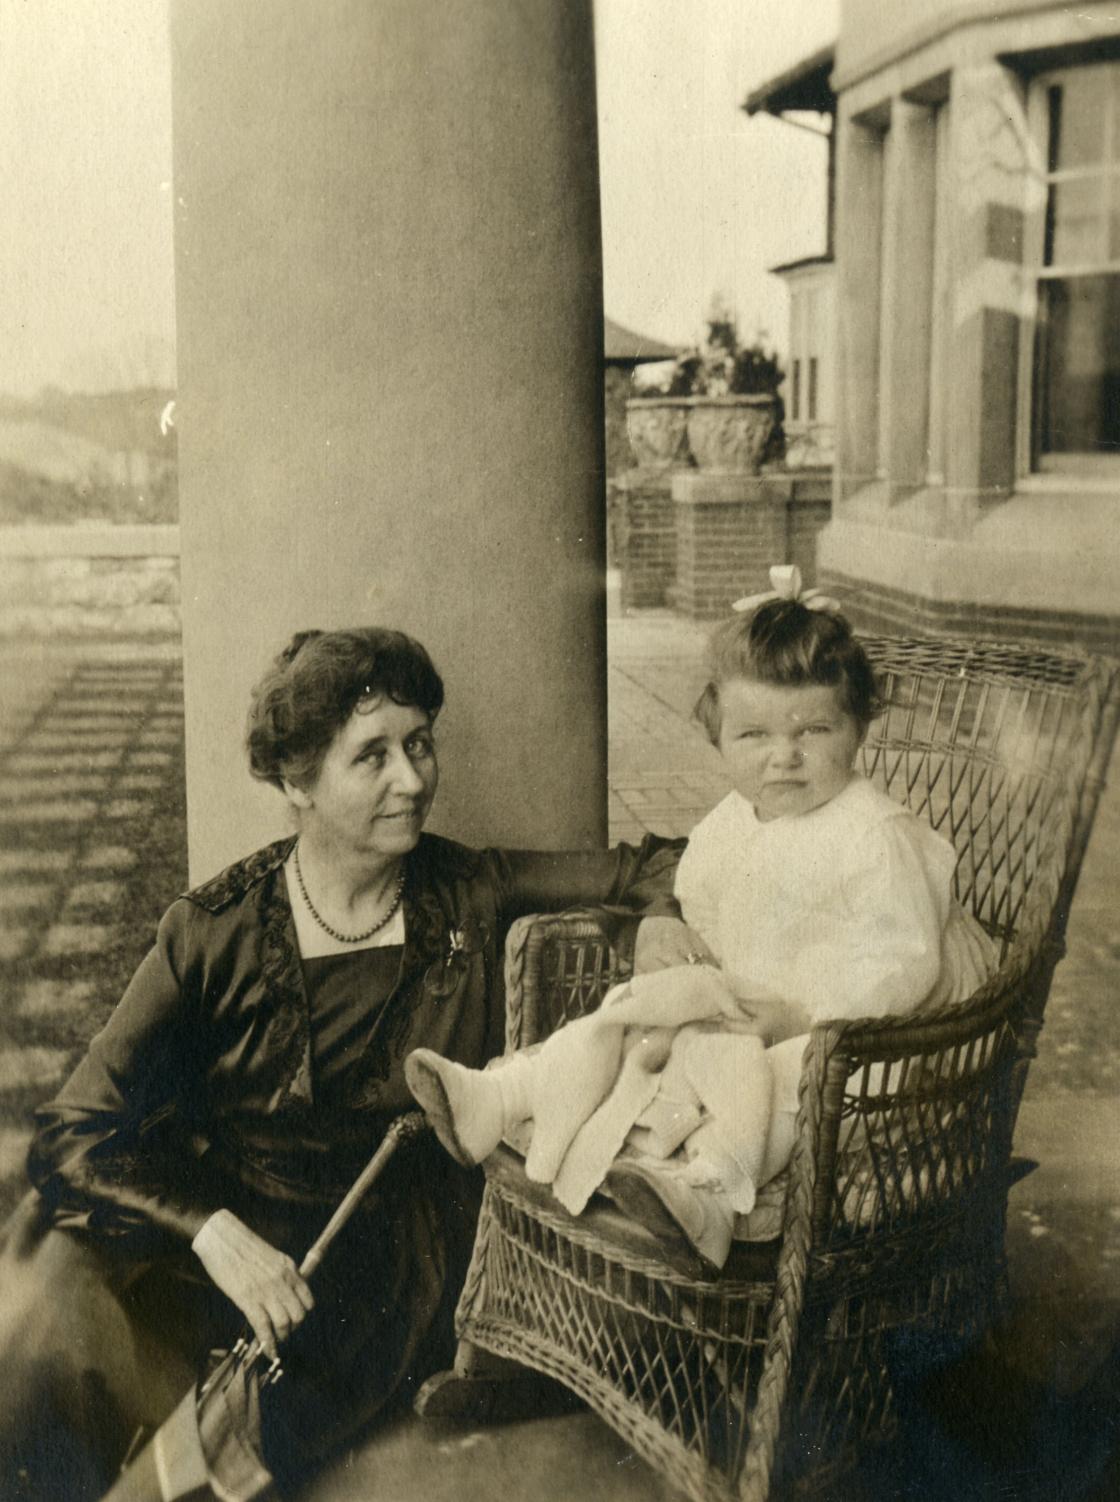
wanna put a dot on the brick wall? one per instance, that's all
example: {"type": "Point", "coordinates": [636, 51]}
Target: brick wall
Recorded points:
{"type": "Point", "coordinates": [877, 609]}
{"type": "Point", "coordinates": [730, 528]}
{"type": "Point", "coordinates": [645, 537]}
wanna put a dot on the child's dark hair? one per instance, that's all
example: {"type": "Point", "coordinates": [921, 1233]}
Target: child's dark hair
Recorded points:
{"type": "Point", "coordinates": [786, 643]}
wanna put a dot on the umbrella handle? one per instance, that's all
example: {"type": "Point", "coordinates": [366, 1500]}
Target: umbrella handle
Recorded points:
{"type": "Point", "coordinates": [403, 1129]}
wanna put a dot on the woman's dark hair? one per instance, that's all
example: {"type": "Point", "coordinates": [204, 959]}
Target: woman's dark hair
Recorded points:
{"type": "Point", "coordinates": [786, 643]}
{"type": "Point", "coordinates": [317, 682]}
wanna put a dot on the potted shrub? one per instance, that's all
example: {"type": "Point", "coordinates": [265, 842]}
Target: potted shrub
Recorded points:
{"type": "Point", "coordinates": [657, 426]}
{"type": "Point", "coordinates": [732, 412]}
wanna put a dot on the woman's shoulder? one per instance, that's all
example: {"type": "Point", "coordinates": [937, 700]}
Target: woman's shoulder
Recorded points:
{"type": "Point", "coordinates": [437, 856]}
{"type": "Point", "coordinates": [235, 883]}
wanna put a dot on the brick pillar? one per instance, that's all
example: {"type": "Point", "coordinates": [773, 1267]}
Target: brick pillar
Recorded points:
{"type": "Point", "coordinates": [647, 537]}
{"type": "Point", "coordinates": [730, 529]}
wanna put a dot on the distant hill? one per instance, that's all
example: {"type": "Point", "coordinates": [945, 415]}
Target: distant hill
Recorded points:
{"type": "Point", "coordinates": [78, 456]}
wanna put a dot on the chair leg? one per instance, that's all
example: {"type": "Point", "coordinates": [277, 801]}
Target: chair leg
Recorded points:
{"type": "Point", "coordinates": [483, 1388]}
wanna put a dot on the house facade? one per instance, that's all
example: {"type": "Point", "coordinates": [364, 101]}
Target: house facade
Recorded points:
{"type": "Point", "coordinates": [977, 375]}
{"type": "Point", "coordinates": [955, 352]}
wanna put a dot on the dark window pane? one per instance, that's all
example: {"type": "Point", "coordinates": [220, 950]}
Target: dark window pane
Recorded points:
{"type": "Point", "coordinates": [813, 389]}
{"type": "Point", "coordinates": [1078, 393]}
{"type": "Point", "coordinates": [795, 392]}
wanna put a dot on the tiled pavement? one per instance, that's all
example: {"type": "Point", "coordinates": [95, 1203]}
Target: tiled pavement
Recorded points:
{"type": "Point", "coordinates": [91, 848]}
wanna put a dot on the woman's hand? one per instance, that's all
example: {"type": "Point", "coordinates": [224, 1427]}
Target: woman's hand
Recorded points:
{"type": "Point", "coordinates": [663, 942]}
{"type": "Point", "coordinates": [264, 1284]}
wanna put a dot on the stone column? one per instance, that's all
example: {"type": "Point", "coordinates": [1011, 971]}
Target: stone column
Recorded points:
{"type": "Point", "coordinates": [992, 177]}
{"type": "Point", "coordinates": [858, 257]}
{"type": "Point", "coordinates": [908, 229]}
{"type": "Point", "coordinates": [390, 324]}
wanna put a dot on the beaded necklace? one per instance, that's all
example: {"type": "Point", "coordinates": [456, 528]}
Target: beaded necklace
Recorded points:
{"type": "Point", "coordinates": [334, 933]}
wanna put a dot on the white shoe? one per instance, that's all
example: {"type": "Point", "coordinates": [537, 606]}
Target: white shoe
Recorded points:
{"type": "Point", "coordinates": [464, 1106]}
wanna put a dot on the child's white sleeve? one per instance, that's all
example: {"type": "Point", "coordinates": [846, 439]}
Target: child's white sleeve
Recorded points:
{"type": "Point", "coordinates": [879, 952]}
{"type": "Point", "coordinates": [696, 887]}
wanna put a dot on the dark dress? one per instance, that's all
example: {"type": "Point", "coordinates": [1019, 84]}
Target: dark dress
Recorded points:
{"type": "Point", "coordinates": [234, 1075]}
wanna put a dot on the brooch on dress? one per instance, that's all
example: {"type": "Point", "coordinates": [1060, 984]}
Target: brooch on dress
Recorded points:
{"type": "Point", "coordinates": [461, 944]}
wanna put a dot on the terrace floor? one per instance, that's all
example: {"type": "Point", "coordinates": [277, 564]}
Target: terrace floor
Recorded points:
{"type": "Point", "coordinates": [92, 849]}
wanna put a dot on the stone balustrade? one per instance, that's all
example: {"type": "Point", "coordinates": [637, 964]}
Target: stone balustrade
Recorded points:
{"type": "Point", "coordinates": [89, 580]}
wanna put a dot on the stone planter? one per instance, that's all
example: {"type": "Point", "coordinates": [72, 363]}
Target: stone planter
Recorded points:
{"type": "Point", "coordinates": [729, 434]}
{"type": "Point", "coordinates": [657, 427]}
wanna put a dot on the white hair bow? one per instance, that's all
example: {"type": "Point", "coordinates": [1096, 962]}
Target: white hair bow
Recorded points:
{"type": "Point", "coordinates": [785, 584]}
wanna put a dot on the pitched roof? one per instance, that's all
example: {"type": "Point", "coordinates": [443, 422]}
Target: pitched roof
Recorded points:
{"type": "Point", "coordinates": [623, 346]}
{"type": "Point", "coordinates": [805, 86]}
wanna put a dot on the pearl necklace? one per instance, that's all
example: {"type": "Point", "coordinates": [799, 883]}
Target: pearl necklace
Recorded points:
{"type": "Point", "coordinates": [334, 933]}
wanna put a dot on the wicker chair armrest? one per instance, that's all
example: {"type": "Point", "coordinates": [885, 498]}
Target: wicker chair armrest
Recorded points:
{"type": "Point", "coordinates": [558, 966]}
{"type": "Point", "coordinates": [905, 1116]}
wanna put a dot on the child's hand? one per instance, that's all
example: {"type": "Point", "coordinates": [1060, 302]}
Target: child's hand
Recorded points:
{"type": "Point", "coordinates": [773, 1019]}
{"type": "Point", "coordinates": [664, 942]}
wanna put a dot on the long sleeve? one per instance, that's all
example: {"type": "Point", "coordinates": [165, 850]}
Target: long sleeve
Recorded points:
{"type": "Point", "coordinates": [709, 867]}
{"type": "Point", "coordinates": [631, 879]}
{"type": "Point", "coordinates": [112, 1152]}
{"type": "Point", "coordinates": [879, 953]}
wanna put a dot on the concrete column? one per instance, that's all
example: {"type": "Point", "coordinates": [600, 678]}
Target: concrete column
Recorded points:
{"type": "Point", "coordinates": [908, 231]}
{"type": "Point", "coordinates": [858, 257]}
{"type": "Point", "coordinates": [389, 306]}
{"type": "Point", "coordinates": [991, 178]}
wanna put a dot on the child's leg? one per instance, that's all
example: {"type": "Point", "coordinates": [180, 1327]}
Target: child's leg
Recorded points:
{"type": "Point", "coordinates": [731, 1075]}
{"type": "Point", "coordinates": [558, 1086]}
{"type": "Point", "coordinates": [471, 1109]}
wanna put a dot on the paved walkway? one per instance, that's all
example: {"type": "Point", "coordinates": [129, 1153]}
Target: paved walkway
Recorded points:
{"type": "Point", "coordinates": [91, 829]}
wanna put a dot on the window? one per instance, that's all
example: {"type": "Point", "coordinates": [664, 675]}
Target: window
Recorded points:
{"type": "Point", "coordinates": [1076, 407]}
{"type": "Point", "coordinates": [812, 388]}
{"type": "Point", "coordinates": [795, 392]}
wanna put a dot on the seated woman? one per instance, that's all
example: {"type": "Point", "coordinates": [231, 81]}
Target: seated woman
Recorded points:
{"type": "Point", "coordinates": [244, 1079]}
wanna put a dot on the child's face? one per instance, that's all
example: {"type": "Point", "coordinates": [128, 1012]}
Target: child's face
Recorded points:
{"type": "Point", "coordinates": [788, 749]}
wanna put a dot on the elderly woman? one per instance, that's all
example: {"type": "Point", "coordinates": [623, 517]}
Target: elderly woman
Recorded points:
{"type": "Point", "coordinates": [244, 1079]}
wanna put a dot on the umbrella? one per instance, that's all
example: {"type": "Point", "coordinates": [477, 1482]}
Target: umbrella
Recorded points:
{"type": "Point", "coordinates": [224, 1411]}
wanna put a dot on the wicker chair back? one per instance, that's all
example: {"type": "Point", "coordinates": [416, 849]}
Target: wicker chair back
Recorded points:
{"type": "Point", "coordinates": [892, 1233]}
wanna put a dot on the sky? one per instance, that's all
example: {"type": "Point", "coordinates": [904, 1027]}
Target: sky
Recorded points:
{"type": "Point", "coordinates": [697, 199]}
{"type": "Point", "coordinates": [86, 270]}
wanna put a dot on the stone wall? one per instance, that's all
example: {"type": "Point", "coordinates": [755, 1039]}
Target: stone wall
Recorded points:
{"type": "Point", "coordinates": [89, 581]}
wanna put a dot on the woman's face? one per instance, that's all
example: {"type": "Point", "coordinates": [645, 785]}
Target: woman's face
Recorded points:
{"type": "Point", "coordinates": [789, 750]}
{"type": "Point", "coordinates": [376, 784]}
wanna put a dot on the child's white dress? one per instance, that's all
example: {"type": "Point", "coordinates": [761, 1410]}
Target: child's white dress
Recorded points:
{"type": "Point", "coordinates": [846, 910]}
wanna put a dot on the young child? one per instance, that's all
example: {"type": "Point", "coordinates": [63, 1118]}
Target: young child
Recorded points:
{"type": "Point", "coordinates": [809, 896]}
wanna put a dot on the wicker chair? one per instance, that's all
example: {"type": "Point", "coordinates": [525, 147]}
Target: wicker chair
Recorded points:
{"type": "Point", "coordinates": [892, 1230]}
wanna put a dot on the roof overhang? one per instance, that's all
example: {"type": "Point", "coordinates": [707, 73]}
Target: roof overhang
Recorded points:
{"type": "Point", "coordinates": [805, 86]}
{"type": "Point", "coordinates": [806, 263]}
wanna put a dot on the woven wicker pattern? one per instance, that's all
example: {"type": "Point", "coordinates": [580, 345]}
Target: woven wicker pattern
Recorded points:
{"type": "Point", "coordinates": [894, 1223]}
